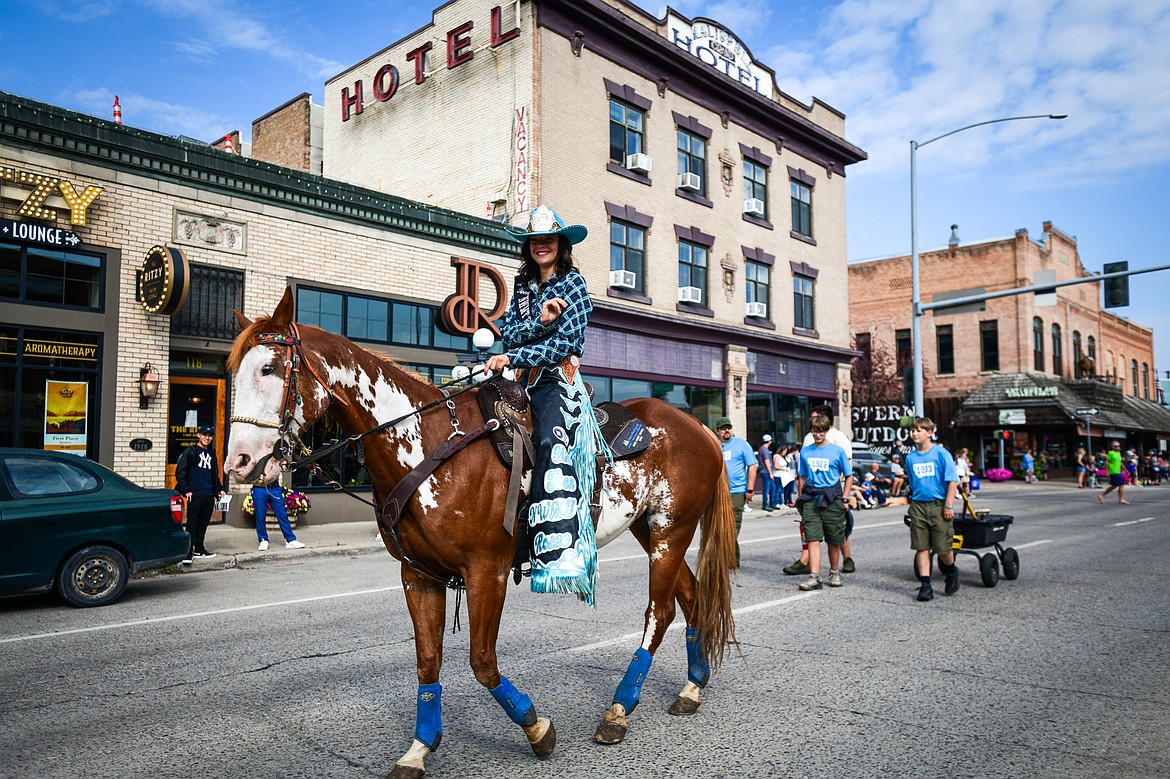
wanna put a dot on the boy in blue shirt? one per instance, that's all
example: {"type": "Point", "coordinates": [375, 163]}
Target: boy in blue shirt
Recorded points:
{"type": "Point", "coordinates": [933, 482]}
{"type": "Point", "coordinates": [821, 502]}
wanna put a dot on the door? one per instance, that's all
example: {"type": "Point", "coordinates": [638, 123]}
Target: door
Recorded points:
{"type": "Point", "coordinates": [194, 402]}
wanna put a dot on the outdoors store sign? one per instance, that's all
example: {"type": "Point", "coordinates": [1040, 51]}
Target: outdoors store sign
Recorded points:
{"type": "Point", "coordinates": [164, 280]}
{"type": "Point", "coordinates": [719, 48]}
{"type": "Point", "coordinates": [386, 81]}
{"type": "Point", "coordinates": [37, 204]}
{"type": "Point", "coordinates": [1032, 392]}
{"type": "Point", "coordinates": [880, 427]}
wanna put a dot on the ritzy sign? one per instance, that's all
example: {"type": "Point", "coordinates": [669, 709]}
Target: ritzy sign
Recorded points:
{"type": "Point", "coordinates": [386, 81]}
{"type": "Point", "coordinates": [37, 205]}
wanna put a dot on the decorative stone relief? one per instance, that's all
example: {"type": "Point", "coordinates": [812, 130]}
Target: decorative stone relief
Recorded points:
{"type": "Point", "coordinates": [729, 266]}
{"type": "Point", "coordinates": [727, 172]}
{"type": "Point", "coordinates": [216, 232]}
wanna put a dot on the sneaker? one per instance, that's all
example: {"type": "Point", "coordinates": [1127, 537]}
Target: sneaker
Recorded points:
{"type": "Point", "coordinates": [263, 546]}
{"type": "Point", "coordinates": [797, 568]}
{"type": "Point", "coordinates": [926, 592]}
{"type": "Point", "coordinates": [848, 566]}
{"type": "Point", "coordinates": [294, 544]}
{"type": "Point", "coordinates": [205, 554]}
{"type": "Point", "coordinates": [186, 560]}
{"type": "Point", "coordinates": [813, 583]}
{"type": "Point", "coordinates": [835, 579]}
{"type": "Point", "coordinates": [952, 585]}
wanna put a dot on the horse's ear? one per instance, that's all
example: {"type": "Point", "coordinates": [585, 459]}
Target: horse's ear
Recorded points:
{"type": "Point", "coordinates": [284, 309]}
{"type": "Point", "coordinates": [245, 323]}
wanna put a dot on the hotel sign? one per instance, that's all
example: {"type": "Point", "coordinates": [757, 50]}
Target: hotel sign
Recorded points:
{"type": "Point", "coordinates": [719, 48]}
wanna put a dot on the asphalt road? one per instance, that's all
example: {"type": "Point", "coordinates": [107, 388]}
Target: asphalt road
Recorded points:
{"type": "Point", "coordinates": [307, 669]}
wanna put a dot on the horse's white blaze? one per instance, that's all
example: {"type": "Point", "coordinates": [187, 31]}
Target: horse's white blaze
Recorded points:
{"type": "Point", "coordinates": [415, 756]}
{"type": "Point", "coordinates": [260, 397]}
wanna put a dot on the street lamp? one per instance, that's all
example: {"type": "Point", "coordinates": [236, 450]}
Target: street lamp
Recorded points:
{"type": "Point", "coordinates": [915, 290]}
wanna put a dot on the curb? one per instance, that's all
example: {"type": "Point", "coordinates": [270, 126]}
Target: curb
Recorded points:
{"type": "Point", "coordinates": [225, 561]}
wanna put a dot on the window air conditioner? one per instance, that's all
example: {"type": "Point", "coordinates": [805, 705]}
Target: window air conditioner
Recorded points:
{"type": "Point", "coordinates": [639, 163]}
{"type": "Point", "coordinates": [757, 309]}
{"type": "Point", "coordinates": [623, 279]}
{"type": "Point", "coordinates": [754, 206]}
{"type": "Point", "coordinates": [690, 181]}
{"type": "Point", "coordinates": [690, 295]}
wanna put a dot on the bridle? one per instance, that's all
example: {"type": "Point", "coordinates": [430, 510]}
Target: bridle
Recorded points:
{"type": "Point", "coordinates": [288, 446]}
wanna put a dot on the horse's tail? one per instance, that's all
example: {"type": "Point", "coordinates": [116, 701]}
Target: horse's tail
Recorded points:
{"type": "Point", "coordinates": [716, 561]}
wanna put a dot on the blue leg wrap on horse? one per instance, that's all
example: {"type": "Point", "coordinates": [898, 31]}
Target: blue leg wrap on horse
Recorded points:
{"type": "Point", "coordinates": [630, 690]}
{"type": "Point", "coordinates": [518, 705]}
{"type": "Point", "coordinates": [428, 723]}
{"type": "Point", "coordinates": [697, 669]}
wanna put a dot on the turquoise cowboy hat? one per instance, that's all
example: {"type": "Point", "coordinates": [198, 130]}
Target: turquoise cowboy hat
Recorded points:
{"type": "Point", "coordinates": [544, 221]}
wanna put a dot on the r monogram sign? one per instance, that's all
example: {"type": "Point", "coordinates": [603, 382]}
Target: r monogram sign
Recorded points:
{"type": "Point", "coordinates": [461, 313]}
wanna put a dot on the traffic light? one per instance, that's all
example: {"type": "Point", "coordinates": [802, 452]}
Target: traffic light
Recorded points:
{"type": "Point", "coordinates": [1006, 435]}
{"type": "Point", "coordinates": [1116, 290]}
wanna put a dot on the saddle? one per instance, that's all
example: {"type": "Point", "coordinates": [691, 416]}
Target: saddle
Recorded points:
{"type": "Point", "coordinates": [506, 402]}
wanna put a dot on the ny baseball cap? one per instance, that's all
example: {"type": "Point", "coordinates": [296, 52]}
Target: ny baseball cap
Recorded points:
{"type": "Point", "coordinates": [207, 430]}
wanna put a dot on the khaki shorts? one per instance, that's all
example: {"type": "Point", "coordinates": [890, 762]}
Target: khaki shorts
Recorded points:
{"type": "Point", "coordinates": [928, 529]}
{"type": "Point", "coordinates": [824, 524]}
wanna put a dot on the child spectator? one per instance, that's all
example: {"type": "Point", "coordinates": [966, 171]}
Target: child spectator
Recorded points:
{"type": "Point", "coordinates": [933, 483]}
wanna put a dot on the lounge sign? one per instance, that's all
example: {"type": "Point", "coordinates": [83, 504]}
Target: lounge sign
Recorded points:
{"type": "Point", "coordinates": [164, 280]}
{"type": "Point", "coordinates": [719, 48]}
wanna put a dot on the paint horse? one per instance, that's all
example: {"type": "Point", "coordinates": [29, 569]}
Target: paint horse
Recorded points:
{"type": "Point", "coordinates": [453, 523]}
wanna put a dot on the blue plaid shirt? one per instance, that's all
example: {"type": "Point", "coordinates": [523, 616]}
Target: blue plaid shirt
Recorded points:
{"type": "Point", "coordinates": [531, 344]}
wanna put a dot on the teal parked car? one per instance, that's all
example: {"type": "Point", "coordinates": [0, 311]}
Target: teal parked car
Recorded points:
{"type": "Point", "coordinates": [71, 524]}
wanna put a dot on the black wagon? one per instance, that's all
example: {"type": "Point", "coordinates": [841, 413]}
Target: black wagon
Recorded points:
{"type": "Point", "coordinates": [977, 529]}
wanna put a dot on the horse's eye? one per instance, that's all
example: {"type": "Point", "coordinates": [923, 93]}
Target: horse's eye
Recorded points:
{"type": "Point", "coordinates": [267, 370]}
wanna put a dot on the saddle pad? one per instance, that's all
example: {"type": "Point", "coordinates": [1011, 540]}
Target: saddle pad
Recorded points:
{"type": "Point", "coordinates": [624, 432]}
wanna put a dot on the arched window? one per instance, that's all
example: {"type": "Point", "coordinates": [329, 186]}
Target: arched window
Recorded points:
{"type": "Point", "coordinates": [1133, 367]}
{"type": "Point", "coordinates": [1146, 381]}
{"type": "Point", "coordinates": [1092, 348]}
{"type": "Point", "coordinates": [1038, 344]}
{"type": "Point", "coordinates": [1057, 367]}
{"type": "Point", "coordinates": [1077, 355]}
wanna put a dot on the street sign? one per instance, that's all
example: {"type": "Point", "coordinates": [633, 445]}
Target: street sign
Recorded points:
{"type": "Point", "coordinates": [1087, 412]}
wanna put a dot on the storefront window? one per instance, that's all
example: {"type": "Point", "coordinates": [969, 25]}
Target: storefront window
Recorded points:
{"type": "Point", "coordinates": [56, 278]}
{"type": "Point", "coordinates": [706, 403]}
{"type": "Point", "coordinates": [49, 389]}
{"type": "Point", "coordinates": [784, 417]}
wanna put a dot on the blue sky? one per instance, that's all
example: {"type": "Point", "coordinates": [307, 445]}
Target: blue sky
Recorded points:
{"type": "Point", "coordinates": [898, 69]}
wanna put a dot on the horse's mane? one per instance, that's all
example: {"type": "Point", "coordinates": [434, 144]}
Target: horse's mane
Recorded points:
{"type": "Point", "coordinates": [247, 339]}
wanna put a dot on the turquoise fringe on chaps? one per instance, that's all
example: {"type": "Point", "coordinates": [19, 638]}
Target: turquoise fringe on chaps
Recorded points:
{"type": "Point", "coordinates": [517, 705]}
{"type": "Point", "coordinates": [428, 722]}
{"type": "Point", "coordinates": [630, 690]}
{"type": "Point", "coordinates": [697, 669]}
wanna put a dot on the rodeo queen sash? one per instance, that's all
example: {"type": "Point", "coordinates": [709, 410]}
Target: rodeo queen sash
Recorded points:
{"type": "Point", "coordinates": [562, 546]}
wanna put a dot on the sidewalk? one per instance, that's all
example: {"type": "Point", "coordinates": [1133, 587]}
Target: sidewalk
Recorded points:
{"type": "Point", "coordinates": [237, 546]}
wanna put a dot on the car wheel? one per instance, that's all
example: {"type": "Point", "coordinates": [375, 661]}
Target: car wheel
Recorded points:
{"type": "Point", "coordinates": [93, 576]}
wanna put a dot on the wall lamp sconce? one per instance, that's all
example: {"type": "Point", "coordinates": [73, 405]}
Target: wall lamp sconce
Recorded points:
{"type": "Point", "coordinates": [148, 382]}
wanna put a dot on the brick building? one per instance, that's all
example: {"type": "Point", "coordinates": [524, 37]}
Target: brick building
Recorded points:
{"type": "Point", "coordinates": [1011, 362]}
{"type": "Point", "coordinates": [715, 202]}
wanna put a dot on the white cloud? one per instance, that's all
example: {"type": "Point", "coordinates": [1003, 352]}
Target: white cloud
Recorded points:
{"type": "Point", "coordinates": [159, 116]}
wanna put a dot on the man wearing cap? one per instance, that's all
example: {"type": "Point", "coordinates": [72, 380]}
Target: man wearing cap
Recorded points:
{"type": "Point", "coordinates": [740, 461]}
{"type": "Point", "coordinates": [899, 474]}
{"type": "Point", "coordinates": [764, 468]}
{"type": "Point", "coordinates": [197, 480]}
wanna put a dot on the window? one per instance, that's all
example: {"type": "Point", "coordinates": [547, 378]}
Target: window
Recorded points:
{"type": "Point", "coordinates": [944, 339]}
{"type": "Point", "coordinates": [903, 349]}
{"type": "Point", "coordinates": [1038, 344]}
{"type": "Point", "coordinates": [323, 309]}
{"type": "Point", "coordinates": [755, 187]}
{"type": "Point", "coordinates": [1145, 381]}
{"type": "Point", "coordinates": [57, 278]}
{"type": "Point", "coordinates": [626, 131]}
{"type": "Point", "coordinates": [1092, 342]}
{"type": "Point", "coordinates": [1057, 351]}
{"type": "Point", "coordinates": [44, 476]}
{"type": "Point", "coordinates": [1077, 355]}
{"type": "Point", "coordinates": [758, 276]}
{"type": "Point", "coordinates": [1133, 364]}
{"type": "Point", "coordinates": [989, 345]}
{"type": "Point", "coordinates": [365, 318]}
{"type": "Point", "coordinates": [801, 208]}
{"type": "Point", "coordinates": [207, 313]}
{"type": "Point", "coordinates": [802, 301]}
{"type": "Point", "coordinates": [692, 158]}
{"type": "Point", "coordinates": [692, 269]}
{"type": "Point", "coordinates": [627, 251]}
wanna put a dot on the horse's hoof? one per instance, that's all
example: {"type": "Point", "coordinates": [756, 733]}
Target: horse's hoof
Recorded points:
{"type": "Point", "coordinates": [683, 705]}
{"type": "Point", "coordinates": [405, 772]}
{"type": "Point", "coordinates": [544, 746]}
{"type": "Point", "coordinates": [612, 729]}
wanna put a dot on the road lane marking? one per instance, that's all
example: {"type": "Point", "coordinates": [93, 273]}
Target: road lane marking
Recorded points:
{"type": "Point", "coordinates": [679, 625]}
{"type": "Point", "coordinates": [1033, 543]}
{"type": "Point", "coordinates": [194, 614]}
{"type": "Point", "coordinates": [1134, 521]}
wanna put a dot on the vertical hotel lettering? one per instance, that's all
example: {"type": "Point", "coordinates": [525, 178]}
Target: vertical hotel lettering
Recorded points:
{"type": "Point", "coordinates": [386, 80]}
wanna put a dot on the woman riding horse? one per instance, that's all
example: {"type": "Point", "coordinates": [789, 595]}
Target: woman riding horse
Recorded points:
{"type": "Point", "coordinates": [544, 334]}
